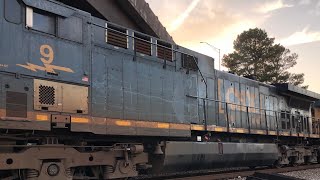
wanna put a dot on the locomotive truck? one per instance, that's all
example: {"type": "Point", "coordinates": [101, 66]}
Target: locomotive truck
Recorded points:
{"type": "Point", "coordinates": [83, 98]}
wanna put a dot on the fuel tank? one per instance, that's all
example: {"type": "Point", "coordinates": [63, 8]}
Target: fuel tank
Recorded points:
{"type": "Point", "coordinates": [193, 155]}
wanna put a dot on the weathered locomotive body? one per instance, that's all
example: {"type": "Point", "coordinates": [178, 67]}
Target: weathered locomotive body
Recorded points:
{"type": "Point", "coordinates": [82, 97]}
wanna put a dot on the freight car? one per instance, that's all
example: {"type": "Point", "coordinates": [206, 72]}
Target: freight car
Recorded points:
{"type": "Point", "coordinates": [82, 98]}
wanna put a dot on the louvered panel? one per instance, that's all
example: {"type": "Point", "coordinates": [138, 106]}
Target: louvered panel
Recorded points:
{"type": "Point", "coordinates": [189, 62]}
{"type": "Point", "coordinates": [117, 37]}
{"type": "Point", "coordinates": [16, 104]}
{"type": "Point", "coordinates": [164, 51]}
{"type": "Point", "coordinates": [143, 44]}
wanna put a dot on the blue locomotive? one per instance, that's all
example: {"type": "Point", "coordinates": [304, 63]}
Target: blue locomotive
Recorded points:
{"type": "Point", "coordinates": [81, 98]}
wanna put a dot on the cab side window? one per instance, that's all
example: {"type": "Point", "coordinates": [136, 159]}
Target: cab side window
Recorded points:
{"type": "Point", "coordinates": [40, 20]}
{"type": "Point", "coordinates": [69, 28]}
{"type": "Point", "coordinates": [12, 11]}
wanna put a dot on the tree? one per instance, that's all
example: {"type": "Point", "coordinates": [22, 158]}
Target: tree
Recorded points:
{"type": "Point", "coordinates": [255, 54]}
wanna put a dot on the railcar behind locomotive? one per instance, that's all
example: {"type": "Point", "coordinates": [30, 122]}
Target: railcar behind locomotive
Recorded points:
{"type": "Point", "coordinates": [81, 98]}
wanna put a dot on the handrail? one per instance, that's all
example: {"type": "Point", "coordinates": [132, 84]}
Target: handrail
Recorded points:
{"type": "Point", "coordinates": [215, 100]}
{"type": "Point", "coordinates": [305, 126]}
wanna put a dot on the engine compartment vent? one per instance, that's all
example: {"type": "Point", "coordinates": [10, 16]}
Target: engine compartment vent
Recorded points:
{"type": "Point", "coordinates": [16, 104]}
{"type": "Point", "coordinates": [142, 44]}
{"type": "Point", "coordinates": [189, 62]}
{"type": "Point", "coordinates": [116, 36]}
{"type": "Point", "coordinates": [46, 95]}
{"type": "Point", "coordinates": [164, 50]}
{"type": "Point", "coordinates": [60, 97]}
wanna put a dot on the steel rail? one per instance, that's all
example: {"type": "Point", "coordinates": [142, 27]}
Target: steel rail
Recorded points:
{"type": "Point", "coordinates": [244, 173]}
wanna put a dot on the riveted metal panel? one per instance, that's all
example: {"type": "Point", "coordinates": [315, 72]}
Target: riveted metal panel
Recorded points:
{"type": "Point", "coordinates": [262, 111]}
{"type": "Point", "coordinates": [156, 92]}
{"type": "Point", "coordinates": [1, 10]}
{"type": "Point", "coordinates": [244, 114]}
{"type": "Point", "coordinates": [257, 109]}
{"type": "Point", "coordinates": [248, 104]}
{"type": "Point", "coordinates": [168, 98]}
{"type": "Point", "coordinates": [180, 115]}
{"type": "Point", "coordinates": [211, 107]}
{"type": "Point", "coordinates": [99, 33]}
{"type": "Point", "coordinates": [71, 28]}
{"type": "Point", "coordinates": [267, 107]}
{"type": "Point", "coordinates": [230, 99]}
{"type": "Point", "coordinates": [144, 84]}
{"type": "Point", "coordinates": [252, 111]}
{"type": "Point", "coordinates": [191, 105]}
{"type": "Point", "coordinates": [99, 85]}
{"type": "Point", "coordinates": [237, 98]}
{"type": "Point", "coordinates": [274, 109]}
{"type": "Point", "coordinates": [74, 99]}
{"type": "Point", "coordinates": [222, 106]}
{"type": "Point", "coordinates": [12, 10]}
{"type": "Point", "coordinates": [202, 93]}
{"type": "Point", "coordinates": [270, 113]}
{"type": "Point", "coordinates": [115, 85]}
{"type": "Point", "coordinates": [130, 87]}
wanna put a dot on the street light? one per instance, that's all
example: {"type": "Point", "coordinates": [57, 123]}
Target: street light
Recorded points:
{"type": "Point", "coordinates": [215, 48]}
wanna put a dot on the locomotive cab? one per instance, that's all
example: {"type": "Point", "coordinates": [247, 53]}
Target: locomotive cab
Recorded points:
{"type": "Point", "coordinates": [45, 49]}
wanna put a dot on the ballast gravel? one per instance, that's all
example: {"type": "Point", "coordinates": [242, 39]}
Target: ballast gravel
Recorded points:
{"type": "Point", "coordinates": [310, 174]}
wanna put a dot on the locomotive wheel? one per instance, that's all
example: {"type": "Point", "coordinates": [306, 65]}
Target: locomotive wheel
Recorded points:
{"type": "Point", "coordinates": [278, 165]}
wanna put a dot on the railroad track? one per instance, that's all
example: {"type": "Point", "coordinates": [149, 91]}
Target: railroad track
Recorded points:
{"type": "Point", "coordinates": [241, 173]}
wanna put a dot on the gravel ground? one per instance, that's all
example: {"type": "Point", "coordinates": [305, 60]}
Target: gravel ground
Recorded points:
{"type": "Point", "coordinates": [310, 174]}
{"type": "Point", "coordinates": [239, 178]}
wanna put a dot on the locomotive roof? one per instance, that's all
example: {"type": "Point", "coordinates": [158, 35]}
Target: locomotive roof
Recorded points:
{"type": "Point", "coordinates": [282, 88]}
{"type": "Point", "coordinates": [289, 89]}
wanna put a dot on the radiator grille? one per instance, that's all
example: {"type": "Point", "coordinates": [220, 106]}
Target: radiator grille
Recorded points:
{"type": "Point", "coordinates": [142, 44]}
{"type": "Point", "coordinates": [117, 36]}
{"type": "Point", "coordinates": [189, 62]}
{"type": "Point", "coordinates": [46, 95]}
{"type": "Point", "coordinates": [16, 104]}
{"type": "Point", "coordinates": [164, 50]}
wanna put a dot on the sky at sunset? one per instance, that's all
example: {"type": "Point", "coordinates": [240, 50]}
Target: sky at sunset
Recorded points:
{"type": "Point", "coordinates": [293, 23]}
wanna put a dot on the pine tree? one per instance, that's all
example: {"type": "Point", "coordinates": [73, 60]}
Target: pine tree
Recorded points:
{"type": "Point", "coordinates": [255, 54]}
